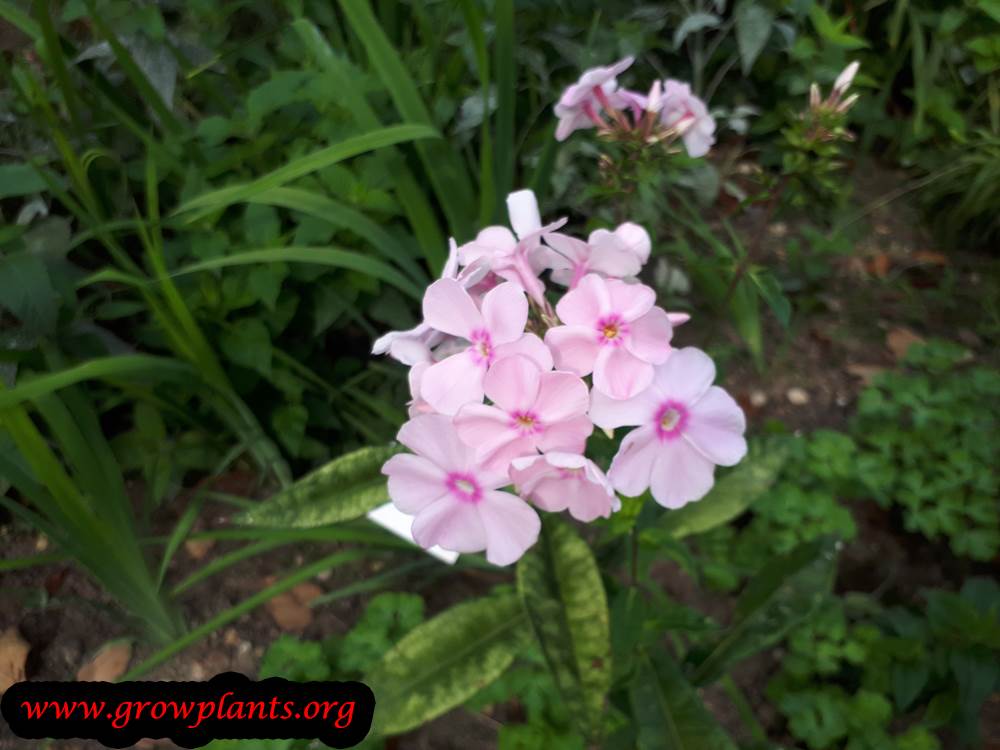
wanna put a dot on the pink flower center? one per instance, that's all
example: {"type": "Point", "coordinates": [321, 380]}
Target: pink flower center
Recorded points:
{"type": "Point", "coordinates": [611, 330]}
{"type": "Point", "coordinates": [464, 487]}
{"type": "Point", "coordinates": [525, 422]}
{"type": "Point", "coordinates": [481, 348]}
{"type": "Point", "coordinates": [671, 419]}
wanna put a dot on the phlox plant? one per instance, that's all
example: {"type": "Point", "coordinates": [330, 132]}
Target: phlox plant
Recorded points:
{"type": "Point", "coordinates": [601, 356]}
{"type": "Point", "coordinates": [532, 338]}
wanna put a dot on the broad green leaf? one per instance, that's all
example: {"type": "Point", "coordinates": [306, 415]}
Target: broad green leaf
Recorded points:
{"type": "Point", "coordinates": [561, 588]}
{"type": "Point", "coordinates": [785, 592]}
{"type": "Point", "coordinates": [324, 256]}
{"type": "Point", "coordinates": [442, 663]}
{"type": "Point", "coordinates": [122, 367]}
{"type": "Point", "coordinates": [20, 179]}
{"type": "Point", "coordinates": [346, 488]}
{"type": "Point", "coordinates": [770, 289]}
{"type": "Point", "coordinates": [26, 291]}
{"type": "Point", "coordinates": [753, 28]}
{"type": "Point", "coordinates": [732, 494]}
{"type": "Point", "coordinates": [248, 344]}
{"type": "Point", "coordinates": [694, 23]}
{"type": "Point", "coordinates": [309, 163]}
{"type": "Point", "coordinates": [667, 712]}
{"type": "Point", "coordinates": [834, 31]}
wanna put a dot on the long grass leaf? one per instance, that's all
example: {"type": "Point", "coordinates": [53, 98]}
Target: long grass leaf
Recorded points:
{"type": "Point", "coordinates": [506, 77]}
{"type": "Point", "coordinates": [443, 165]}
{"type": "Point", "coordinates": [325, 256]}
{"type": "Point", "coordinates": [370, 141]}
{"type": "Point", "coordinates": [125, 366]}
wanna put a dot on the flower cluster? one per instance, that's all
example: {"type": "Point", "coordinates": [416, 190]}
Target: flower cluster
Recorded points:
{"type": "Point", "coordinates": [506, 389]}
{"type": "Point", "coordinates": [669, 111]}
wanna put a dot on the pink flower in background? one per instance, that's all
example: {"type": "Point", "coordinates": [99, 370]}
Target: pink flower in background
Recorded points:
{"type": "Point", "coordinates": [518, 255]}
{"type": "Point", "coordinates": [557, 481]}
{"type": "Point", "coordinates": [455, 500]}
{"type": "Point", "coordinates": [687, 114]}
{"type": "Point", "coordinates": [618, 254]}
{"type": "Point", "coordinates": [613, 330]}
{"type": "Point", "coordinates": [492, 333]}
{"type": "Point", "coordinates": [532, 410]}
{"type": "Point", "coordinates": [581, 103]}
{"type": "Point", "coordinates": [685, 426]}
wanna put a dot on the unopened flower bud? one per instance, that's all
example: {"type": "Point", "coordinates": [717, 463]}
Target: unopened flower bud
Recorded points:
{"type": "Point", "coordinates": [847, 103]}
{"type": "Point", "coordinates": [655, 101]}
{"type": "Point", "coordinates": [844, 79]}
{"type": "Point", "coordinates": [814, 97]}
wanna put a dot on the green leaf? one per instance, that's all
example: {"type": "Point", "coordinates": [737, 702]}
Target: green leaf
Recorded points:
{"type": "Point", "coordinates": [561, 588]}
{"type": "Point", "coordinates": [123, 367]}
{"type": "Point", "coordinates": [667, 712]}
{"type": "Point", "coordinates": [694, 23]}
{"type": "Point", "coordinates": [443, 165]}
{"type": "Point", "coordinates": [753, 29]}
{"type": "Point", "coordinates": [304, 165]}
{"type": "Point", "coordinates": [20, 179]}
{"type": "Point", "coordinates": [26, 291]}
{"type": "Point", "coordinates": [445, 661]}
{"type": "Point", "coordinates": [247, 343]}
{"type": "Point", "coordinates": [833, 31]}
{"type": "Point", "coordinates": [785, 592]}
{"type": "Point", "coordinates": [731, 495]}
{"type": "Point", "coordinates": [347, 487]}
{"type": "Point", "coordinates": [324, 256]}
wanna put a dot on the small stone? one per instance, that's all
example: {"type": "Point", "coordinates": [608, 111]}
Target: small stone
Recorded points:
{"type": "Point", "coordinates": [41, 543]}
{"type": "Point", "coordinates": [758, 398]}
{"type": "Point", "coordinates": [230, 637]}
{"type": "Point", "coordinates": [197, 672]}
{"type": "Point", "coordinates": [797, 396]}
{"type": "Point", "coordinates": [778, 229]}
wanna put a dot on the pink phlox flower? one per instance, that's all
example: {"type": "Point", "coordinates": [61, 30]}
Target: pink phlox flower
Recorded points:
{"type": "Point", "coordinates": [613, 330]}
{"type": "Point", "coordinates": [484, 334]}
{"type": "Point", "coordinates": [581, 103]}
{"type": "Point", "coordinates": [414, 345]}
{"type": "Point", "coordinates": [688, 115]}
{"type": "Point", "coordinates": [518, 255]}
{"type": "Point", "coordinates": [685, 426]}
{"type": "Point", "coordinates": [532, 411]}
{"type": "Point", "coordinates": [557, 481]}
{"type": "Point", "coordinates": [614, 254]}
{"type": "Point", "coordinates": [455, 501]}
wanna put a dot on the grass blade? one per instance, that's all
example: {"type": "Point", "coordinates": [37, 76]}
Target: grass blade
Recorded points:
{"type": "Point", "coordinates": [506, 75]}
{"type": "Point", "coordinates": [326, 256]}
{"type": "Point", "coordinates": [370, 141]}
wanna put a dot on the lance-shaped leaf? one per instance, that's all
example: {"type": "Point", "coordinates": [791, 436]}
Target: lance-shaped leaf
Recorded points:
{"type": "Point", "coordinates": [346, 488]}
{"type": "Point", "coordinates": [561, 588]}
{"type": "Point", "coordinates": [731, 496]}
{"type": "Point", "coordinates": [442, 663]}
{"type": "Point", "coordinates": [667, 712]}
{"type": "Point", "coordinates": [785, 592]}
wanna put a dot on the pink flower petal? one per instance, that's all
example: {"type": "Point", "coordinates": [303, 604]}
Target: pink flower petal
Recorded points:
{"type": "Point", "coordinates": [530, 346]}
{"type": "Point", "coordinates": [453, 382]}
{"type": "Point", "coordinates": [511, 525]}
{"type": "Point", "coordinates": [609, 413]}
{"type": "Point", "coordinates": [414, 482]}
{"type": "Point", "coordinates": [569, 435]}
{"type": "Point", "coordinates": [716, 426]}
{"type": "Point", "coordinates": [588, 501]}
{"type": "Point", "coordinates": [449, 308]}
{"type": "Point", "coordinates": [584, 305]}
{"type": "Point", "coordinates": [574, 348]}
{"type": "Point", "coordinates": [633, 464]}
{"type": "Point", "coordinates": [505, 310]}
{"type": "Point", "coordinates": [479, 425]}
{"type": "Point", "coordinates": [620, 374]}
{"type": "Point", "coordinates": [434, 437]}
{"type": "Point", "coordinates": [680, 474]}
{"type": "Point", "coordinates": [513, 383]}
{"type": "Point", "coordinates": [452, 524]}
{"type": "Point", "coordinates": [649, 336]}
{"type": "Point", "coordinates": [561, 395]}
{"type": "Point", "coordinates": [685, 376]}
{"type": "Point", "coordinates": [631, 301]}
{"type": "Point", "coordinates": [611, 257]}
{"type": "Point", "coordinates": [636, 239]}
